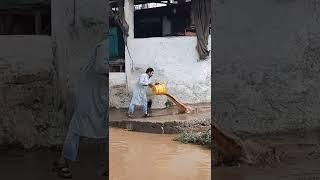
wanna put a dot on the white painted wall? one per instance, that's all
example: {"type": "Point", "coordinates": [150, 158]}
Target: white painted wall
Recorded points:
{"type": "Point", "coordinates": [75, 41]}
{"type": "Point", "coordinates": [116, 79]}
{"type": "Point", "coordinates": [26, 91]}
{"type": "Point", "coordinates": [175, 61]}
{"type": "Point", "coordinates": [118, 91]}
{"type": "Point", "coordinates": [29, 106]}
{"type": "Point", "coordinates": [129, 16]}
{"type": "Point", "coordinates": [267, 65]}
{"type": "Point", "coordinates": [29, 52]}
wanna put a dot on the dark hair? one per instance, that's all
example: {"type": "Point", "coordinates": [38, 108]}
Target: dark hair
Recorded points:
{"type": "Point", "coordinates": [149, 70]}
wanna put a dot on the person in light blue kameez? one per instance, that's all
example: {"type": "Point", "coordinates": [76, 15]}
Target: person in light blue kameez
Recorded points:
{"type": "Point", "coordinates": [90, 115]}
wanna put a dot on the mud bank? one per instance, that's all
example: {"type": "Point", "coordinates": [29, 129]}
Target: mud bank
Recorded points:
{"type": "Point", "coordinates": [298, 152]}
{"type": "Point", "coordinates": [164, 121]}
{"type": "Point", "coordinates": [37, 164]}
{"type": "Point", "coordinates": [169, 127]}
{"type": "Point", "coordinates": [197, 138]}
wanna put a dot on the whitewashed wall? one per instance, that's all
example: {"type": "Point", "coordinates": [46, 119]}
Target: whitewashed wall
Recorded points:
{"type": "Point", "coordinates": [175, 61]}
{"type": "Point", "coordinates": [26, 90]}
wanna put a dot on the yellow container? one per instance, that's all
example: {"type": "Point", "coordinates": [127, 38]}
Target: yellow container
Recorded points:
{"type": "Point", "coordinates": [159, 89]}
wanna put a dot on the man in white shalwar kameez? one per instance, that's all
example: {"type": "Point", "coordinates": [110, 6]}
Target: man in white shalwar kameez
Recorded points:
{"type": "Point", "coordinates": [139, 97]}
{"type": "Point", "coordinates": [90, 116]}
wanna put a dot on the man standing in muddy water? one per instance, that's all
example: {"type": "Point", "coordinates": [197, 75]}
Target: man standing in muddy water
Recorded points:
{"type": "Point", "coordinates": [90, 116]}
{"type": "Point", "coordinates": [139, 97]}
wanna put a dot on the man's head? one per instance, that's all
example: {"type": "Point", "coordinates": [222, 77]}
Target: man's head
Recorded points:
{"type": "Point", "coordinates": [150, 72]}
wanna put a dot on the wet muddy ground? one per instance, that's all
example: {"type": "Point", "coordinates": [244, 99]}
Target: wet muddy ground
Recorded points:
{"type": "Point", "coordinates": [158, 114]}
{"type": "Point", "coordinates": [301, 159]}
{"type": "Point", "coordinates": [17, 164]}
{"type": "Point", "coordinates": [145, 156]}
{"type": "Point", "coordinates": [163, 121]}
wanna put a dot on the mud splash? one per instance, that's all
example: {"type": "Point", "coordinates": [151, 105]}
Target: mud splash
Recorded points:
{"type": "Point", "coordinates": [301, 160]}
{"type": "Point", "coordinates": [141, 156]}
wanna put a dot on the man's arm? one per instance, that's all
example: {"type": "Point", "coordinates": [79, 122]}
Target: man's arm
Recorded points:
{"type": "Point", "coordinates": [145, 81]}
{"type": "Point", "coordinates": [154, 81]}
{"type": "Point", "coordinates": [101, 66]}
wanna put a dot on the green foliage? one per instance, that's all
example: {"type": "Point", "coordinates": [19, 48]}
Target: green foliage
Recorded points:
{"type": "Point", "coordinates": [201, 138]}
{"type": "Point", "coordinates": [168, 104]}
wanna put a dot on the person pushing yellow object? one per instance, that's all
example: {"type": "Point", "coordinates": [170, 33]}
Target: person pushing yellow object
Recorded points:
{"type": "Point", "coordinates": [161, 89]}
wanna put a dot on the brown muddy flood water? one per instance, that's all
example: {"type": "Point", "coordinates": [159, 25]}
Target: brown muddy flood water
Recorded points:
{"type": "Point", "coordinates": [144, 156]}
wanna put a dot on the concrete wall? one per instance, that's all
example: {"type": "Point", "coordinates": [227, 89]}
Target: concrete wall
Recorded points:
{"type": "Point", "coordinates": [175, 61]}
{"type": "Point", "coordinates": [26, 90]}
{"type": "Point", "coordinates": [266, 71]}
{"type": "Point", "coordinates": [118, 93]}
{"type": "Point", "coordinates": [38, 73]}
{"type": "Point", "coordinates": [75, 32]}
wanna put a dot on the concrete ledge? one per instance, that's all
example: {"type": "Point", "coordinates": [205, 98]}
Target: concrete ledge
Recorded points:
{"type": "Point", "coordinates": [172, 127]}
{"type": "Point", "coordinates": [163, 121]}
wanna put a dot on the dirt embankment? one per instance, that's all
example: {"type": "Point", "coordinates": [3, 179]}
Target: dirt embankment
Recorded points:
{"type": "Point", "coordinates": [232, 149]}
{"type": "Point", "coordinates": [266, 150]}
{"type": "Point", "coordinates": [163, 121]}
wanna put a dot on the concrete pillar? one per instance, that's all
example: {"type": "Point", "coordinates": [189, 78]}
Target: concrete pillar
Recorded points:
{"type": "Point", "coordinates": [129, 16]}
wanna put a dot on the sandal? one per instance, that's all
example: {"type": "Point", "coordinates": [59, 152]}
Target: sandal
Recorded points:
{"type": "Point", "coordinates": [147, 115]}
{"type": "Point", "coordinates": [129, 115]}
{"type": "Point", "coordinates": [57, 165]}
{"type": "Point", "coordinates": [105, 173]}
{"type": "Point", "coordinates": [65, 173]}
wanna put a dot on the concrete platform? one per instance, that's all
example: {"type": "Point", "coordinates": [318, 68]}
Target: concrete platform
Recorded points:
{"type": "Point", "coordinates": [163, 121]}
